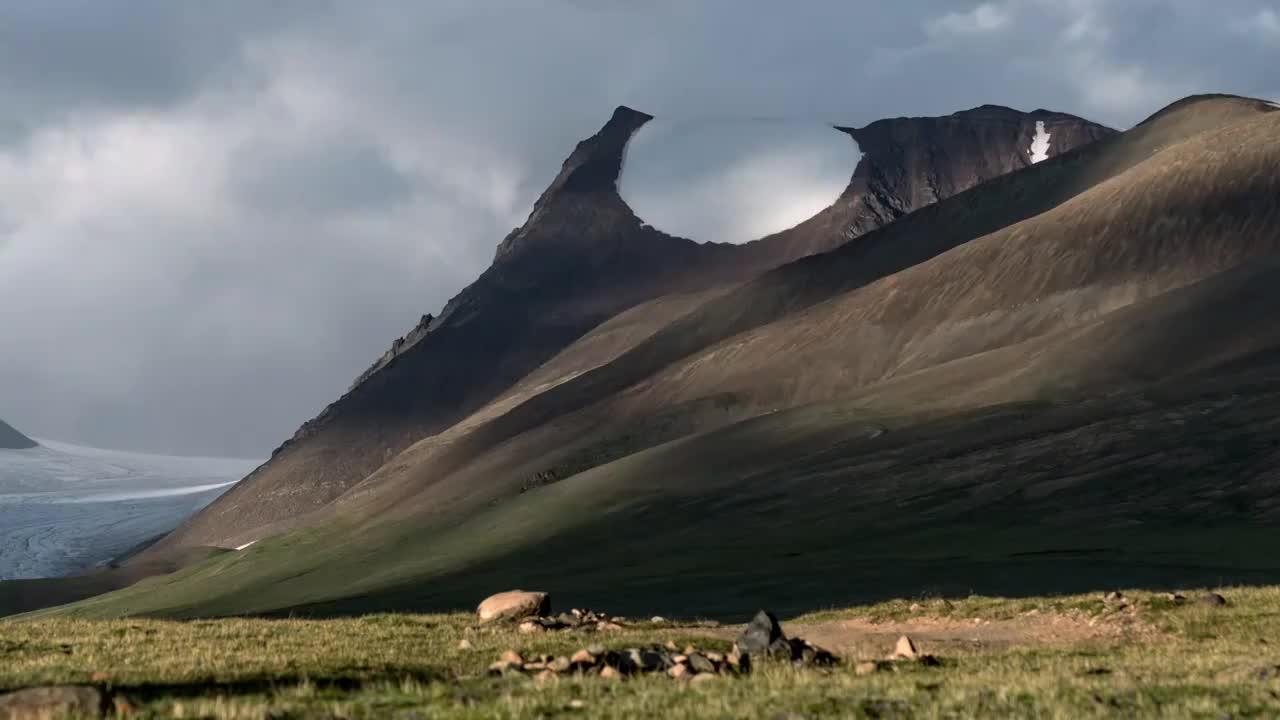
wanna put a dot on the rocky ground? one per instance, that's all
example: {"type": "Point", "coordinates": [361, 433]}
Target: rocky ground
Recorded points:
{"type": "Point", "coordinates": [1130, 654]}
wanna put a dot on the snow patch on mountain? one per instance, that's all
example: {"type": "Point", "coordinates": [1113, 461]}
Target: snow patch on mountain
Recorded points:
{"type": "Point", "coordinates": [1039, 144]}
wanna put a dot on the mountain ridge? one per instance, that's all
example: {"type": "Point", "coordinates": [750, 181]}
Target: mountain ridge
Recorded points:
{"type": "Point", "coordinates": [532, 302]}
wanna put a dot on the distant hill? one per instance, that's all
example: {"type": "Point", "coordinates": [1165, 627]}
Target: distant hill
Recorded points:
{"type": "Point", "coordinates": [11, 439]}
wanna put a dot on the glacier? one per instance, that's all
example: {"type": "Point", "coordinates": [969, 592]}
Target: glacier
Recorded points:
{"type": "Point", "coordinates": [65, 509]}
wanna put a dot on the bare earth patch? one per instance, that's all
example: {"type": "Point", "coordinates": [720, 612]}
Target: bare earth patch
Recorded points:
{"type": "Point", "coordinates": [864, 638]}
{"type": "Point", "coordinates": [868, 638]}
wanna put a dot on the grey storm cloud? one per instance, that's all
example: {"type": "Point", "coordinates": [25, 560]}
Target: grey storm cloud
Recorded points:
{"type": "Point", "coordinates": [214, 215]}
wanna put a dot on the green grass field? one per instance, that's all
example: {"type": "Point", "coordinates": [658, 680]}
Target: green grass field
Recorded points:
{"type": "Point", "coordinates": [1064, 657]}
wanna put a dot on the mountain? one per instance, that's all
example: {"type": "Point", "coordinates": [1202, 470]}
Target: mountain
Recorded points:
{"type": "Point", "coordinates": [11, 439]}
{"type": "Point", "coordinates": [583, 263]}
{"type": "Point", "coordinates": [1061, 378]}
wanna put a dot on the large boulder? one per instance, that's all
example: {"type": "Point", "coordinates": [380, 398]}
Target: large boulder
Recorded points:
{"type": "Point", "coordinates": [763, 636]}
{"type": "Point", "coordinates": [52, 702]}
{"type": "Point", "coordinates": [514, 605]}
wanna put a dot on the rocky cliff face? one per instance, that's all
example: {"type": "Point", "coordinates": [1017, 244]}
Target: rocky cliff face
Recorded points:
{"type": "Point", "coordinates": [581, 258]}
{"type": "Point", "coordinates": [11, 439]}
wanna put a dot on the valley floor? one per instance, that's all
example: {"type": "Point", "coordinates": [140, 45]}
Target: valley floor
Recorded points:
{"type": "Point", "coordinates": [1142, 654]}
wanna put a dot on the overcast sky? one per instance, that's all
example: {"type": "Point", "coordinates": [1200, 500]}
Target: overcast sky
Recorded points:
{"type": "Point", "coordinates": [213, 215]}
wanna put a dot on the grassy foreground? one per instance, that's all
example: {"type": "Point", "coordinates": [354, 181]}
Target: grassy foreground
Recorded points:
{"type": "Point", "coordinates": [1157, 658]}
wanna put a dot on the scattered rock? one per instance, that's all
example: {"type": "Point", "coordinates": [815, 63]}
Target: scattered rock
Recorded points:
{"type": "Point", "coordinates": [763, 636]}
{"type": "Point", "coordinates": [73, 701]}
{"type": "Point", "coordinates": [1175, 598]}
{"type": "Point", "coordinates": [1212, 600]}
{"type": "Point", "coordinates": [514, 605]}
{"type": "Point", "coordinates": [915, 608]}
{"type": "Point", "coordinates": [631, 661]}
{"type": "Point", "coordinates": [905, 649]}
{"type": "Point", "coordinates": [568, 620]}
{"type": "Point", "coordinates": [465, 644]}
{"type": "Point", "coordinates": [657, 619]}
{"type": "Point", "coordinates": [546, 676]}
{"type": "Point", "coordinates": [529, 627]}
{"type": "Point", "coordinates": [806, 653]}
{"type": "Point", "coordinates": [1112, 598]}
{"type": "Point", "coordinates": [702, 678]}
{"type": "Point", "coordinates": [653, 660]}
{"type": "Point", "coordinates": [577, 704]}
{"type": "Point", "coordinates": [672, 646]}
{"type": "Point", "coordinates": [701, 663]}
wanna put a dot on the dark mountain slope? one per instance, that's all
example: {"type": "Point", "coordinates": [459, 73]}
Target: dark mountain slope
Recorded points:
{"type": "Point", "coordinates": [11, 439]}
{"type": "Point", "coordinates": [582, 258]}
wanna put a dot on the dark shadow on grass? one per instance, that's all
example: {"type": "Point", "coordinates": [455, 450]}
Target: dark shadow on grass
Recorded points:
{"type": "Point", "coordinates": [730, 596]}
{"type": "Point", "coordinates": [147, 692]}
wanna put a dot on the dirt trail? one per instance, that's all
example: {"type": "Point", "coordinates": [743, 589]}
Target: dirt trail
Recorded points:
{"type": "Point", "coordinates": [863, 638]}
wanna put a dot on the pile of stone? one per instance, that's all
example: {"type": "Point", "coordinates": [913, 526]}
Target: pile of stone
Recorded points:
{"type": "Point", "coordinates": [904, 651]}
{"type": "Point", "coordinates": [575, 619]}
{"type": "Point", "coordinates": [691, 663]}
{"type": "Point", "coordinates": [531, 611]}
{"type": "Point", "coordinates": [763, 636]}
